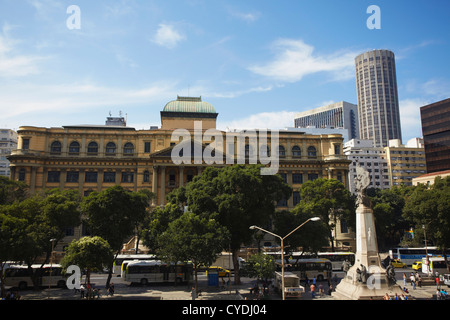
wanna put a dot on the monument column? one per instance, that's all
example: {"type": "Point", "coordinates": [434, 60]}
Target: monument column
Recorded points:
{"type": "Point", "coordinates": [367, 278]}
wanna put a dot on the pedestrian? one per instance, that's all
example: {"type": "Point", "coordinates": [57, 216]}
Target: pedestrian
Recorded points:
{"type": "Point", "coordinates": [321, 290]}
{"type": "Point", "coordinates": [437, 281]}
{"type": "Point", "coordinates": [404, 279]}
{"type": "Point", "coordinates": [313, 290]}
{"type": "Point", "coordinates": [111, 289]}
{"type": "Point", "coordinates": [82, 291]}
{"type": "Point", "coordinates": [413, 280]}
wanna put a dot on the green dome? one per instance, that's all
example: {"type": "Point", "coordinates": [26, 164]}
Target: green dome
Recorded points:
{"type": "Point", "coordinates": [189, 104]}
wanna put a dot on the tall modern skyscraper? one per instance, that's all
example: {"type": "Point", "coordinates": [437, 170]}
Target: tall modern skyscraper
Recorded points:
{"type": "Point", "coordinates": [376, 85]}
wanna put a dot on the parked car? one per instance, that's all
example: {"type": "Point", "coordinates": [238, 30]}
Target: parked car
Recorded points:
{"type": "Point", "coordinates": [417, 265]}
{"type": "Point", "coordinates": [221, 271]}
{"type": "Point", "coordinates": [398, 264]}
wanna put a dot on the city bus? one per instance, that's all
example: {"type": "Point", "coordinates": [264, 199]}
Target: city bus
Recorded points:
{"type": "Point", "coordinates": [411, 255]}
{"type": "Point", "coordinates": [436, 265]}
{"type": "Point", "coordinates": [310, 268]}
{"type": "Point", "coordinates": [337, 258]}
{"type": "Point", "coordinates": [117, 265]}
{"type": "Point", "coordinates": [50, 276]}
{"type": "Point", "coordinates": [155, 271]}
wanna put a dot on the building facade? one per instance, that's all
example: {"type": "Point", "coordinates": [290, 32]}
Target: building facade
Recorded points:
{"type": "Point", "coordinates": [405, 162]}
{"type": "Point", "coordinates": [8, 143]}
{"type": "Point", "coordinates": [376, 86]}
{"type": "Point", "coordinates": [373, 159]}
{"type": "Point", "coordinates": [436, 135]}
{"type": "Point", "coordinates": [337, 115]}
{"type": "Point", "coordinates": [94, 157]}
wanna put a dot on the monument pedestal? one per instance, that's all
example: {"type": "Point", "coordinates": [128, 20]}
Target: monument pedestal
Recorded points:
{"type": "Point", "coordinates": [366, 279]}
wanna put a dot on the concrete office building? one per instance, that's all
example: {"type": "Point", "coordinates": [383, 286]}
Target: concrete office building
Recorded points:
{"type": "Point", "coordinates": [8, 142]}
{"type": "Point", "coordinates": [373, 159]}
{"type": "Point", "coordinates": [436, 135]}
{"type": "Point", "coordinates": [376, 85]}
{"type": "Point", "coordinates": [337, 115]}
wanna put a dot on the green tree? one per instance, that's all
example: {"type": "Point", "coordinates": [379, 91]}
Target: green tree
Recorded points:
{"type": "Point", "coordinates": [114, 215]}
{"type": "Point", "coordinates": [237, 197]}
{"type": "Point", "coordinates": [40, 219]}
{"type": "Point", "coordinates": [329, 200]}
{"type": "Point", "coordinates": [89, 254]}
{"type": "Point", "coordinates": [261, 266]}
{"type": "Point", "coordinates": [430, 208]}
{"type": "Point", "coordinates": [387, 205]}
{"type": "Point", "coordinates": [193, 238]}
{"type": "Point", "coordinates": [11, 191]}
{"type": "Point", "coordinates": [157, 222]}
{"type": "Point", "coordinates": [311, 237]}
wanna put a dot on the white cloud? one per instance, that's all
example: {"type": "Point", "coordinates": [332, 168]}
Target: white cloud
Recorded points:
{"type": "Point", "coordinates": [410, 117]}
{"type": "Point", "coordinates": [13, 64]}
{"type": "Point", "coordinates": [246, 16]}
{"type": "Point", "coordinates": [263, 120]}
{"type": "Point", "coordinates": [167, 36]}
{"type": "Point", "coordinates": [296, 59]}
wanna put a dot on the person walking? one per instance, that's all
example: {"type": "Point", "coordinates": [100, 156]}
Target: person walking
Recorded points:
{"type": "Point", "coordinates": [313, 290]}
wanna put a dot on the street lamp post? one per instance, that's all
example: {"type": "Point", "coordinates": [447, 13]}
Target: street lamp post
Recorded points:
{"type": "Point", "coordinates": [282, 247]}
{"type": "Point", "coordinates": [51, 267]}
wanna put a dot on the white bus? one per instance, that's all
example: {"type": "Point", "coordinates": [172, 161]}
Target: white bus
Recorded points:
{"type": "Point", "coordinates": [155, 271]}
{"type": "Point", "coordinates": [435, 265]}
{"type": "Point", "coordinates": [319, 268]}
{"type": "Point", "coordinates": [411, 255]}
{"type": "Point", "coordinates": [337, 258]}
{"type": "Point", "coordinates": [117, 265]}
{"type": "Point", "coordinates": [19, 276]}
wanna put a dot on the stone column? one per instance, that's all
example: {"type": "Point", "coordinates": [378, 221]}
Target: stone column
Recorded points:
{"type": "Point", "coordinates": [155, 184]}
{"type": "Point", "coordinates": [163, 186]}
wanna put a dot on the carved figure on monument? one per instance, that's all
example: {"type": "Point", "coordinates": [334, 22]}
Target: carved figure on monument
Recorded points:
{"type": "Point", "coordinates": [362, 181]}
{"type": "Point", "coordinates": [390, 272]}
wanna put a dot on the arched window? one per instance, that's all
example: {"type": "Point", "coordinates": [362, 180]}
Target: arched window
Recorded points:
{"type": "Point", "coordinates": [74, 147]}
{"type": "Point", "coordinates": [296, 151]}
{"type": "Point", "coordinates": [281, 151]}
{"type": "Point", "coordinates": [92, 148]}
{"type": "Point", "coordinates": [55, 147]}
{"type": "Point", "coordinates": [110, 148]}
{"type": "Point", "coordinates": [312, 152]}
{"type": "Point", "coordinates": [264, 151]}
{"type": "Point", "coordinates": [128, 148]}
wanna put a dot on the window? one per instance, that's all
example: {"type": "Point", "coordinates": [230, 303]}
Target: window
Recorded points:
{"type": "Point", "coordinates": [296, 152]}
{"type": "Point", "coordinates": [296, 197]}
{"type": "Point", "coordinates": [109, 176]}
{"type": "Point", "coordinates": [90, 176]}
{"type": "Point", "coordinates": [55, 147]}
{"type": "Point", "coordinates": [92, 148]}
{"type": "Point", "coordinates": [127, 177]}
{"type": "Point", "coordinates": [282, 202]}
{"type": "Point", "coordinates": [25, 144]}
{"type": "Point", "coordinates": [283, 176]}
{"type": "Point", "coordinates": [53, 176]}
{"type": "Point", "coordinates": [22, 174]}
{"type": "Point", "coordinates": [74, 147]}
{"type": "Point", "coordinates": [313, 176]}
{"type": "Point", "coordinates": [281, 151]}
{"type": "Point", "coordinates": [146, 176]}
{"type": "Point", "coordinates": [147, 147]}
{"type": "Point", "coordinates": [264, 151]}
{"type": "Point", "coordinates": [337, 148]}
{"type": "Point", "coordinates": [297, 178]}
{"type": "Point", "coordinates": [128, 148]}
{"type": "Point", "coordinates": [72, 176]}
{"type": "Point", "coordinates": [189, 176]}
{"type": "Point", "coordinates": [172, 177]}
{"type": "Point", "coordinates": [110, 148]}
{"type": "Point", "coordinates": [344, 226]}
{"type": "Point", "coordinates": [312, 152]}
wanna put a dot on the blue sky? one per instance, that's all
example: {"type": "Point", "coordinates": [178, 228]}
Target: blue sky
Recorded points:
{"type": "Point", "coordinates": [258, 62]}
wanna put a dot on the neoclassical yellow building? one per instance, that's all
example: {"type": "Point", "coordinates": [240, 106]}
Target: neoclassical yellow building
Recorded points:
{"type": "Point", "coordinates": [95, 157]}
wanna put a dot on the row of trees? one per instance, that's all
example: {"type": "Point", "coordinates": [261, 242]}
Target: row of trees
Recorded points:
{"type": "Point", "coordinates": [210, 214]}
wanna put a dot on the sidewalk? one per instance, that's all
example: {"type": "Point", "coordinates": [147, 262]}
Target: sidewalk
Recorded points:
{"type": "Point", "coordinates": [183, 292]}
